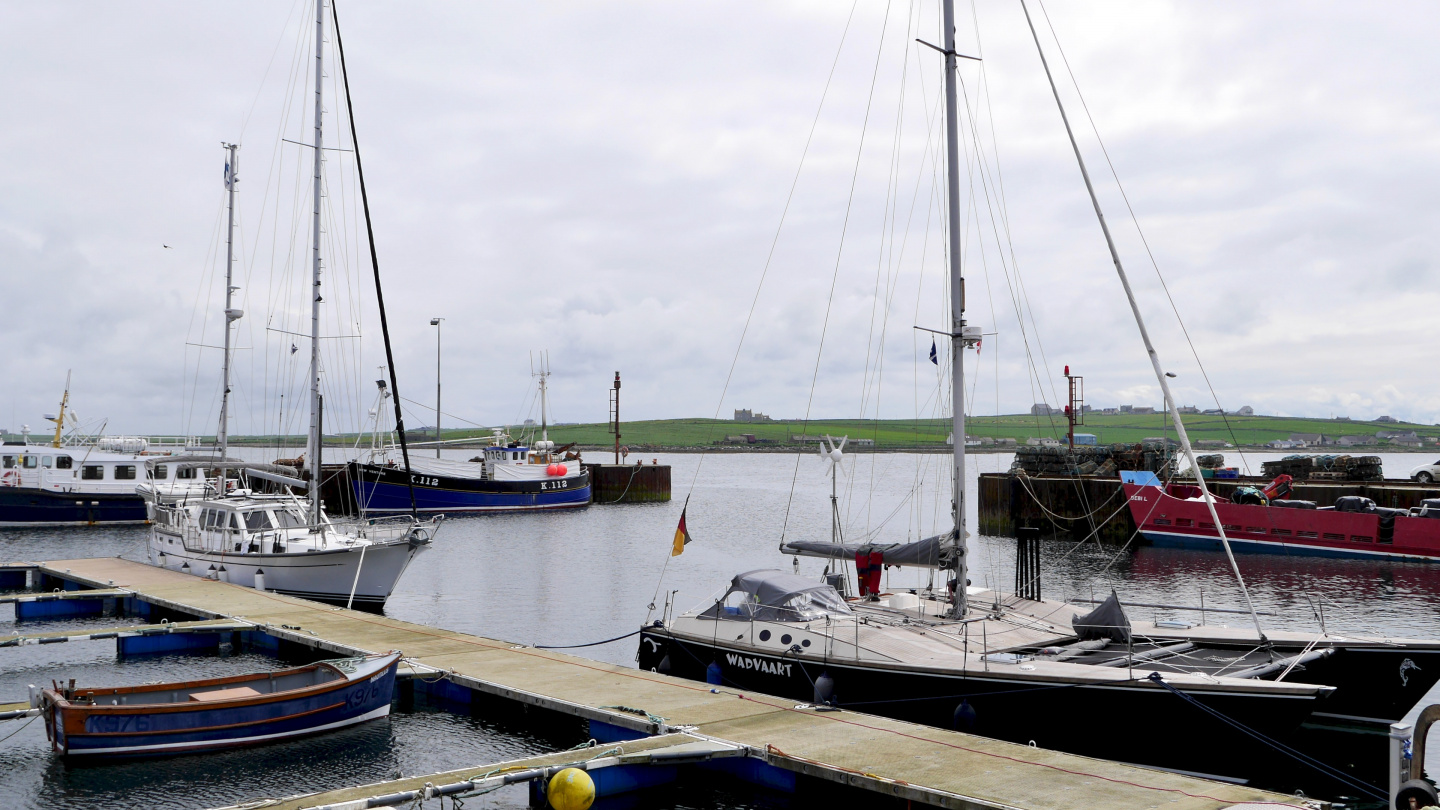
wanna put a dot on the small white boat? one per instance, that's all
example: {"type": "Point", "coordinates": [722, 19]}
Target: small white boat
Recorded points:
{"type": "Point", "coordinates": [280, 543]}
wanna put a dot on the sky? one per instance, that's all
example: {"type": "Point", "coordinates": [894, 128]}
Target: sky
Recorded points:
{"type": "Point", "coordinates": [634, 186]}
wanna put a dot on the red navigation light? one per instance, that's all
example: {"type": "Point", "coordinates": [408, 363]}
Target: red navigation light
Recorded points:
{"type": "Point", "coordinates": [1067, 371]}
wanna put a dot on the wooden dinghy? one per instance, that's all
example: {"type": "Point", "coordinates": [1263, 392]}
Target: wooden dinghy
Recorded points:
{"type": "Point", "coordinates": [204, 715]}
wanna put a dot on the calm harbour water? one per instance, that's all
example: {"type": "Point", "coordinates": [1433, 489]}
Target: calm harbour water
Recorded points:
{"type": "Point", "coordinates": [569, 578]}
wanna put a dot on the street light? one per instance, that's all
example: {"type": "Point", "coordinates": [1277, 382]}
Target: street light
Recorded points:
{"type": "Point", "coordinates": [435, 322]}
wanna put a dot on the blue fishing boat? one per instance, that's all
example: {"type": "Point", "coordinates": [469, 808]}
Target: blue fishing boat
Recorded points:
{"type": "Point", "coordinates": [206, 715]}
{"type": "Point", "coordinates": [506, 479]}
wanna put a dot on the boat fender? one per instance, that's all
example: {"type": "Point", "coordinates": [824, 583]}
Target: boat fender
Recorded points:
{"type": "Point", "coordinates": [571, 789]}
{"type": "Point", "coordinates": [713, 674]}
{"type": "Point", "coordinates": [1416, 793]}
{"type": "Point", "coordinates": [260, 579]}
{"type": "Point", "coordinates": [825, 689]}
{"type": "Point", "coordinates": [664, 666]}
{"type": "Point", "coordinates": [964, 717]}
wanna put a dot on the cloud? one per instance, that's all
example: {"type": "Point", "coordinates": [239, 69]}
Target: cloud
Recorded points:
{"type": "Point", "coordinates": [606, 182]}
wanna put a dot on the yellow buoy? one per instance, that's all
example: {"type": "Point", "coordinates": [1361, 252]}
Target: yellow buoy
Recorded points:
{"type": "Point", "coordinates": [571, 789]}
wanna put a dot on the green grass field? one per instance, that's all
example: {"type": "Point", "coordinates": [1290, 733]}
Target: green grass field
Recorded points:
{"type": "Point", "coordinates": [900, 433]}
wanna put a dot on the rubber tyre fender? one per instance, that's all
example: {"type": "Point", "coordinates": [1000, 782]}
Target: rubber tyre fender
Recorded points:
{"type": "Point", "coordinates": [1418, 789]}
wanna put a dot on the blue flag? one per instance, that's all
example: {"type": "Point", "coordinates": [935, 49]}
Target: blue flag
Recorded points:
{"type": "Point", "coordinates": [934, 356]}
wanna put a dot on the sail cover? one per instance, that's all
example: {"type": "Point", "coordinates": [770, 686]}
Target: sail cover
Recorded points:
{"type": "Point", "coordinates": [772, 595]}
{"type": "Point", "coordinates": [1106, 621]}
{"type": "Point", "coordinates": [924, 553]}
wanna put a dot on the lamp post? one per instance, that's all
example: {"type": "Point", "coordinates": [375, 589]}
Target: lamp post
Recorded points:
{"type": "Point", "coordinates": [435, 322]}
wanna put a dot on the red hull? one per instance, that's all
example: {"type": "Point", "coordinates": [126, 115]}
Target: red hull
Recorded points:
{"type": "Point", "coordinates": [1164, 519]}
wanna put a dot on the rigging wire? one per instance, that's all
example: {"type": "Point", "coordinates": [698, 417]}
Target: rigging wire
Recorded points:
{"type": "Point", "coordinates": [765, 271]}
{"type": "Point", "coordinates": [1138, 230]}
{"type": "Point", "coordinates": [839, 253]}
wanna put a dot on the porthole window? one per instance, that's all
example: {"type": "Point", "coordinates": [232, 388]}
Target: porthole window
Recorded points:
{"type": "Point", "coordinates": [804, 642]}
{"type": "Point", "coordinates": [785, 639]}
{"type": "Point", "coordinates": [764, 635]}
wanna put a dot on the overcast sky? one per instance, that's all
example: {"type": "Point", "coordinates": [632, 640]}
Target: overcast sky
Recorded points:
{"type": "Point", "coordinates": [605, 181]}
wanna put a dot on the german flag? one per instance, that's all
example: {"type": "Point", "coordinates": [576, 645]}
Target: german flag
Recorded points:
{"type": "Point", "coordinates": [682, 534]}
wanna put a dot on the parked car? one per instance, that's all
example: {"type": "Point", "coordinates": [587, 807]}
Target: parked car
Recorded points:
{"type": "Point", "coordinates": [1426, 473]}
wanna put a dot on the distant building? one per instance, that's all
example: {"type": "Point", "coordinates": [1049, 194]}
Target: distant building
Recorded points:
{"type": "Point", "coordinates": [1109, 411]}
{"type": "Point", "coordinates": [1086, 438]}
{"type": "Point", "coordinates": [1416, 442]}
{"type": "Point", "coordinates": [1245, 410]}
{"type": "Point", "coordinates": [1042, 442]}
{"type": "Point", "coordinates": [1188, 409]}
{"type": "Point", "coordinates": [1213, 412]}
{"type": "Point", "coordinates": [1303, 439]}
{"type": "Point", "coordinates": [1211, 444]}
{"type": "Point", "coordinates": [1005, 443]}
{"type": "Point", "coordinates": [1142, 409]}
{"type": "Point", "coordinates": [1387, 419]}
{"type": "Point", "coordinates": [1396, 434]}
{"type": "Point", "coordinates": [865, 442]}
{"type": "Point", "coordinates": [1283, 444]}
{"type": "Point", "coordinates": [529, 423]}
{"type": "Point", "coordinates": [1127, 408]}
{"type": "Point", "coordinates": [1355, 441]}
{"type": "Point", "coordinates": [1042, 409]}
{"type": "Point", "coordinates": [745, 415]}
{"type": "Point", "coordinates": [1342, 419]}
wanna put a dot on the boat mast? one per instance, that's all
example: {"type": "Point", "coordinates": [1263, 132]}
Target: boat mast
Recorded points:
{"type": "Point", "coordinates": [315, 298]}
{"type": "Point", "coordinates": [222, 436]}
{"type": "Point", "coordinates": [60, 417]}
{"type": "Point", "coordinates": [544, 420]}
{"type": "Point", "coordinates": [375, 266]}
{"type": "Point", "coordinates": [957, 313]}
{"type": "Point", "coordinates": [1160, 373]}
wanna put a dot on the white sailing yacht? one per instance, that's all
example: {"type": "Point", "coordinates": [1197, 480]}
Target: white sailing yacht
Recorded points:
{"type": "Point", "coordinates": [279, 542]}
{"type": "Point", "coordinates": [1174, 695]}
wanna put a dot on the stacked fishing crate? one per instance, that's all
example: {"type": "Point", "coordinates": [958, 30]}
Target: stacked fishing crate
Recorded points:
{"type": "Point", "coordinates": [1326, 468]}
{"type": "Point", "coordinates": [1102, 460]}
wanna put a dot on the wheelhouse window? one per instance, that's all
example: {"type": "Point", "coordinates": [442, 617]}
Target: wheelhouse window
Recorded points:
{"type": "Point", "coordinates": [287, 519]}
{"type": "Point", "coordinates": [9, 462]}
{"type": "Point", "coordinates": [258, 521]}
{"type": "Point", "coordinates": [31, 462]}
{"type": "Point", "coordinates": [47, 461]}
{"type": "Point", "coordinates": [185, 473]}
{"type": "Point", "coordinates": [92, 472]}
{"type": "Point", "coordinates": [158, 473]}
{"type": "Point", "coordinates": [124, 472]}
{"type": "Point", "coordinates": [64, 462]}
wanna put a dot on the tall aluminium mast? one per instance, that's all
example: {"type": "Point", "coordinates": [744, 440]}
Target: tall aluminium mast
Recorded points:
{"type": "Point", "coordinates": [313, 440]}
{"type": "Point", "coordinates": [222, 435]}
{"type": "Point", "coordinates": [960, 336]}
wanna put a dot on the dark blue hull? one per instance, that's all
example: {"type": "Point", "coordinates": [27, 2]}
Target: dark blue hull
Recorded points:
{"type": "Point", "coordinates": [21, 506]}
{"type": "Point", "coordinates": [141, 732]}
{"type": "Point", "coordinates": [380, 490]}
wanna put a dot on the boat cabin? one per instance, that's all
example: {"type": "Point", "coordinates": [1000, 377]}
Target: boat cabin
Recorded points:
{"type": "Point", "coordinates": [512, 455]}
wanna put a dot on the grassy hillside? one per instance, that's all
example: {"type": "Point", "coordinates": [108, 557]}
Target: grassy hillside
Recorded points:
{"type": "Point", "coordinates": [1240, 430]}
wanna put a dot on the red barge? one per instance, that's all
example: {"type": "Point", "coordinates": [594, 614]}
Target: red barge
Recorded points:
{"type": "Point", "coordinates": [1175, 515]}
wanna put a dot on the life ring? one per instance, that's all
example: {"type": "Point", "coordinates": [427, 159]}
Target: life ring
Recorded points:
{"type": "Point", "coordinates": [11, 478]}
